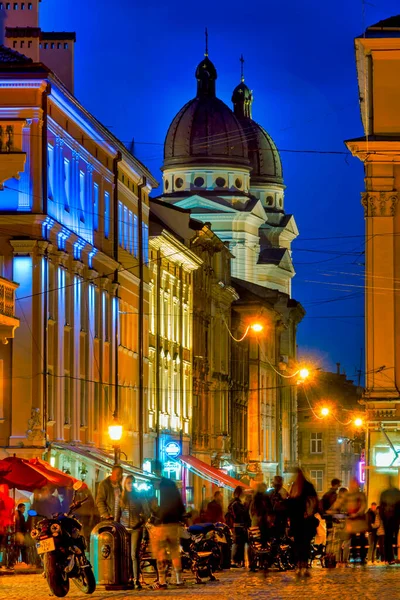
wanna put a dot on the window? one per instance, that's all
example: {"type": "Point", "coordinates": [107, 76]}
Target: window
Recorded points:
{"type": "Point", "coordinates": [126, 228]}
{"type": "Point", "coordinates": [52, 45]}
{"type": "Point", "coordinates": [58, 46]}
{"type": "Point", "coordinates": [145, 243]}
{"type": "Point", "coordinates": [67, 398]}
{"type": "Point", "coordinates": [46, 45]}
{"type": "Point", "coordinates": [29, 44]}
{"type": "Point", "coordinates": [29, 5]}
{"type": "Point", "coordinates": [67, 181]}
{"type": "Point", "coordinates": [318, 480]}
{"type": "Point", "coordinates": [82, 194]}
{"type": "Point", "coordinates": [316, 443]}
{"type": "Point", "coordinates": [95, 207]}
{"type": "Point", "coordinates": [135, 236]}
{"type": "Point", "coordinates": [50, 171]}
{"type": "Point", "coordinates": [22, 5]}
{"type": "Point", "coordinates": [106, 214]}
{"type": "Point", "coordinates": [7, 5]}
{"type": "Point", "coordinates": [130, 232]}
{"type": "Point", "coordinates": [14, 44]}
{"type": "Point", "coordinates": [15, 5]}
{"type": "Point", "coordinates": [65, 46]}
{"type": "Point", "coordinates": [120, 223]}
{"type": "Point", "coordinates": [22, 44]}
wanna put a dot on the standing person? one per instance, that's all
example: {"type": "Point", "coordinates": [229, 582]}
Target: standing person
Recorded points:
{"type": "Point", "coordinates": [241, 520]}
{"type": "Point", "coordinates": [372, 524]}
{"type": "Point", "coordinates": [215, 513]}
{"type": "Point", "coordinates": [339, 538]}
{"type": "Point", "coordinates": [260, 511]}
{"type": "Point", "coordinates": [328, 500]}
{"type": "Point", "coordinates": [278, 497]}
{"type": "Point", "coordinates": [165, 534]}
{"type": "Point", "coordinates": [389, 511]}
{"type": "Point", "coordinates": [356, 522]}
{"type": "Point", "coordinates": [109, 494]}
{"type": "Point", "coordinates": [380, 535]}
{"type": "Point", "coordinates": [21, 529]}
{"type": "Point", "coordinates": [131, 516]}
{"type": "Point", "coordinates": [303, 504]}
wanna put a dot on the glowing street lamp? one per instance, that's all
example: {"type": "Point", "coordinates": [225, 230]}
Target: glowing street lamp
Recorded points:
{"type": "Point", "coordinates": [358, 422]}
{"type": "Point", "coordinates": [256, 327]}
{"type": "Point", "coordinates": [304, 373]}
{"type": "Point", "coordinates": [325, 411]}
{"type": "Point", "coordinates": [115, 432]}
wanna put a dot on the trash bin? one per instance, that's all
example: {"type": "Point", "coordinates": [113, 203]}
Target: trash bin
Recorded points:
{"type": "Point", "coordinates": [110, 552]}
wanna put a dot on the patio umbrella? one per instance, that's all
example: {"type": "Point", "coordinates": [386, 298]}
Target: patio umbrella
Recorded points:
{"type": "Point", "coordinates": [29, 476]}
{"type": "Point", "coordinates": [63, 479]}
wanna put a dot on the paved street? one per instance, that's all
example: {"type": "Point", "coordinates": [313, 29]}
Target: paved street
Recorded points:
{"type": "Point", "coordinates": [338, 584]}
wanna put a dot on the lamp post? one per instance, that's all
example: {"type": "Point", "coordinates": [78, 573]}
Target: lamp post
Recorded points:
{"type": "Point", "coordinates": [115, 433]}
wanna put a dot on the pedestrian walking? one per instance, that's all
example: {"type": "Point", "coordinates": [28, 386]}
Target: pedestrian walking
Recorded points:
{"type": "Point", "coordinates": [372, 524]}
{"type": "Point", "coordinates": [241, 521]}
{"type": "Point", "coordinates": [165, 535]}
{"type": "Point", "coordinates": [302, 505]}
{"type": "Point", "coordinates": [328, 500]}
{"type": "Point", "coordinates": [356, 522]}
{"type": "Point", "coordinates": [278, 497]}
{"type": "Point", "coordinates": [109, 494]}
{"type": "Point", "coordinates": [261, 511]}
{"type": "Point", "coordinates": [131, 516]}
{"type": "Point", "coordinates": [389, 511]}
{"type": "Point", "coordinates": [215, 513]}
{"type": "Point", "coordinates": [21, 530]}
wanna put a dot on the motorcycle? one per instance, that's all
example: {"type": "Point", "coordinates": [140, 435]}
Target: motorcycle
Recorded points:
{"type": "Point", "coordinates": [62, 547]}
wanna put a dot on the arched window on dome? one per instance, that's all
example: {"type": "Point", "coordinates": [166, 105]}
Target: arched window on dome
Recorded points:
{"type": "Point", "coordinates": [269, 201]}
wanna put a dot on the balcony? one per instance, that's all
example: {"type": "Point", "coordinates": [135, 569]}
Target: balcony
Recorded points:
{"type": "Point", "coordinates": [8, 321]}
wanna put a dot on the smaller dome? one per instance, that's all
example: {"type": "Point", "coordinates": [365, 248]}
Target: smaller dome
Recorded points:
{"type": "Point", "coordinates": [206, 75]}
{"type": "Point", "coordinates": [263, 154]}
{"type": "Point", "coordinates": [242, 99]}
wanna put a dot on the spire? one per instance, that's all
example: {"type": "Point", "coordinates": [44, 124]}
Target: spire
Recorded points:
{"type": "Point", "coordinates": [242, 96]}
{"type": "Point", "coordinates": [206, 74]}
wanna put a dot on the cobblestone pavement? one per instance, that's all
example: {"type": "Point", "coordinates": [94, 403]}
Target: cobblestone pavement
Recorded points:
{"type": "Point", "coordinates": [355, 583]}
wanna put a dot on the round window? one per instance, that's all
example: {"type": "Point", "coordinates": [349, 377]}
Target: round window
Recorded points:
{"type": "Point", "coordinates": [280, 202]}
{"type": "Point", "coordinates": [270, 201]}
{"type": "Point", "coordinates": [179, 182]}
{"type": "Point", "coordinates": [220, 181]}
{"type": "Point", "coordinates": [199, 181]}
{"type": "Point", "coordinates": [166, 184]}
{"type": "Point", "coordinates": [238, 183]}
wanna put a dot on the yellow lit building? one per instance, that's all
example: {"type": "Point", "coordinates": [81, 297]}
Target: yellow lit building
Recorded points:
{"type": "Point", "coordinates": [74, 221]}
{"type": "Point", "coordinates": [378, 63]}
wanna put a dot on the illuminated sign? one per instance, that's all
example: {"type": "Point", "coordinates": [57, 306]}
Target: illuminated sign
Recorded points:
{"type": "Point", "coordinates": [172, 449]}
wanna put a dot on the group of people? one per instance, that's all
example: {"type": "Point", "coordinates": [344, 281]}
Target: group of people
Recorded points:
{"type": "Point", "coordinates": [120, 502]}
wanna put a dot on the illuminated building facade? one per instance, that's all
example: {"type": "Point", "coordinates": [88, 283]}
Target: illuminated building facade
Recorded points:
{"type": "Point", "coordinates": [224, 167]}
{"type": "Point", "coordinates": [74, 219]}
{"type": "Point", "coordinates": [378, 61]}
{"type": "Point", "coordinates": [330, 446]}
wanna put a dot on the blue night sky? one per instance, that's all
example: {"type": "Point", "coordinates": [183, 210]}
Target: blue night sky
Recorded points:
{"type": "Point", "coordinates": [134, 69]}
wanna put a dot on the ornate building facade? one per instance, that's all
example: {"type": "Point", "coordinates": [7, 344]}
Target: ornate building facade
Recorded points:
{"type": "Point", "coordinates": [74, 217]}
{"type": "Point", "coordinates": [223, 167]}
{"type": "Point", "coordinates": [378, 60]}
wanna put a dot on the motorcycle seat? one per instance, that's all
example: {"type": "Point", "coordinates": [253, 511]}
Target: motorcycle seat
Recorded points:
{"type": "Point", "coordinates": [203, 554]}
{"type": "Point", "coordinates": [201, 528]}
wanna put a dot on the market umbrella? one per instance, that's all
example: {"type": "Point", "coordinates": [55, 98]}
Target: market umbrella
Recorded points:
{"type": "Point", "coordinates": [21, 474]}
{"type": "Point", "coordinates": [62, 479]}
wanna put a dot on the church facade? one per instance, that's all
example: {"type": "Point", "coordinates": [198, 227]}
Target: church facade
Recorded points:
{"type": "Point", "coordinates": [224, 168]}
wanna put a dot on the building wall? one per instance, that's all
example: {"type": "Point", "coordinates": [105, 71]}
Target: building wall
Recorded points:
{"type": "Point", "coordinates": [378, 63]}
{"type": "Point", "coordinates": [70, 235]}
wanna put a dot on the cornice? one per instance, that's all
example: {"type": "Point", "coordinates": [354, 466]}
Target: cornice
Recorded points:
{"type": "Point", "coordinates": [23, 247]}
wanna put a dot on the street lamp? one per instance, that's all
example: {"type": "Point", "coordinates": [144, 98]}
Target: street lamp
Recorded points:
{"type": "Point", "coordinates": [325, 411]}
{"type": "Point", "coordinates": [255, 327]}
{"type": "Point", "coordinates": [115, 433]}
{"type": "Point", "coordinates": [304, 373]}
{"type": "Point", "coordinates": [358, 422]}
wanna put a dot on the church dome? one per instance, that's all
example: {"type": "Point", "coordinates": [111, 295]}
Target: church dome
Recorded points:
{"type": "Point", "coordinates": [205, 131]}
{"type": "Point", "coordinates": [265, 162]}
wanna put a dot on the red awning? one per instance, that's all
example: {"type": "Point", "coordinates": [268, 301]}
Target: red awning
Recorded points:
{"type": "Point", "coordinates": [210, 473]}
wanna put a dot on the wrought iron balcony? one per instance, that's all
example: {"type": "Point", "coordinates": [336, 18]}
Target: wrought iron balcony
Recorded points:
{"type": "Point", "coordinates": [8, 320]}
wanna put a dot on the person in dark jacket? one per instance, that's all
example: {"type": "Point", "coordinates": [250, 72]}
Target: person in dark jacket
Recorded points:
{"type": "Point", "coordinates": [21, 529]}
{"type": "Point", "coordinates": [389, 511]}
{"type": "Point", "coordinates": [166, 534]}
{"type": "Point", "coordinates": [241, 520]}
{"type": "Point", "coordinates": [215, 513]}
{"type": "Point", "coordinates": [261, 511]}
{"type": "Point", "coordinates": [372, 525]}
{"type": "Point", "coordinates": [109, 494]}
{"type": "Point", "coordinates": [131, 516]}
{"type": "Point", "coordinates": [302, 505]}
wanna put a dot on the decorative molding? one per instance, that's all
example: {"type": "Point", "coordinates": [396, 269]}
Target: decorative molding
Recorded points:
{"type": "Point", "coordinates": [380, 204]}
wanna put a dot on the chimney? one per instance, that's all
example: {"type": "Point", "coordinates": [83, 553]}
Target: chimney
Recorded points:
{"type": "Point", "coordinates": [337, 368]}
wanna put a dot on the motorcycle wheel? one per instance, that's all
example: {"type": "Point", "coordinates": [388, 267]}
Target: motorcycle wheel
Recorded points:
{"type": "Point", "coordinates": [57, 580]}
{"type": "Point", "coordinates": [86, 582]}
